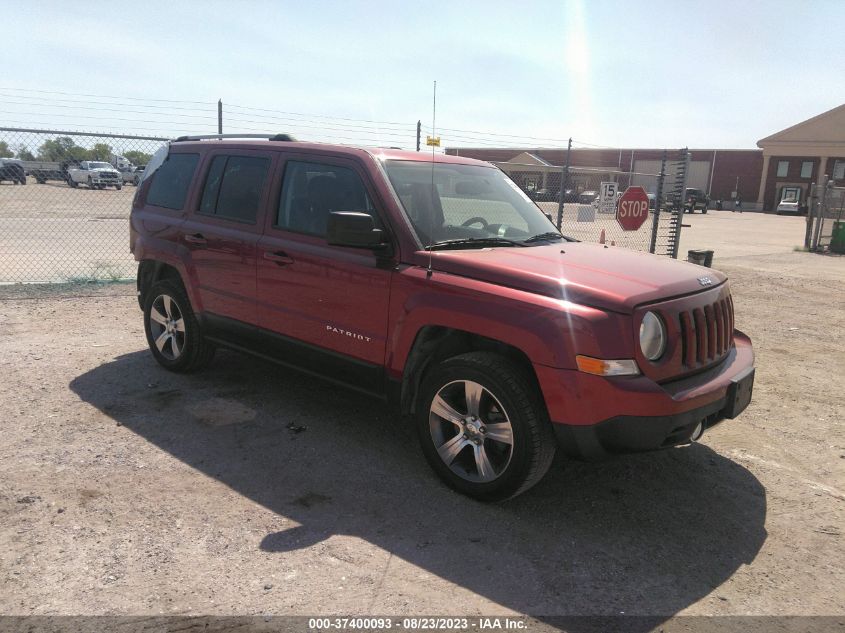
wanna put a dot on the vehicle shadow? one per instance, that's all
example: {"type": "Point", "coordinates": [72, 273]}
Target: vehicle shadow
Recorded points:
{"type": "Point", "coordinates": [646, 534]}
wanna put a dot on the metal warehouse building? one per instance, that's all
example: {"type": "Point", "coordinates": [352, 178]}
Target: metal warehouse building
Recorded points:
{"type": "Point", "coordinates": [720, 172]}
{"type": "Point", "coordinates": [794, 157]}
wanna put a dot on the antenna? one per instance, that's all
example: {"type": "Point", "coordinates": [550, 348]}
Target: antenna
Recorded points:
{"type": "Point", "coordinates": [431, 193]}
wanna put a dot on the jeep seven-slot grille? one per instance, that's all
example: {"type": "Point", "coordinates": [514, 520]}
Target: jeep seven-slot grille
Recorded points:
{"type": "Point", "coordinates": [707, 332]}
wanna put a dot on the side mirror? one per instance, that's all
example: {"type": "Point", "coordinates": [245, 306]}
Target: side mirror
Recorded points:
{"type": "Point", "coordinates": [354, 229]}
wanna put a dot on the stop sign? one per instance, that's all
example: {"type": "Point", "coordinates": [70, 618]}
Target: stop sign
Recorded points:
{"type": "Point", "coordinates": [632, 209]}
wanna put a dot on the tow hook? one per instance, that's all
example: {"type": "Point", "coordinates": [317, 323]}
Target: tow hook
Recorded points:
{"type": "Point", "coordinates": [697, 432]}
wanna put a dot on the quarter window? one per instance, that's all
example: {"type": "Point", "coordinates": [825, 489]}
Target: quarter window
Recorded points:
{"type": "Point", "coordinates": [233, 187]}
{"type": "Point", "coordinates": [783, 168]}
{"type": "Point", "coordinates": [169, 187]}
{"type": "Point", "coordinates": [311, 191]}
{"type": "Point", "coordinates": [807, 169]}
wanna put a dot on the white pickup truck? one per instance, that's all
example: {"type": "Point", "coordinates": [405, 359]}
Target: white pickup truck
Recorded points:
{"type": "Point", "coordinates": [95, 174]}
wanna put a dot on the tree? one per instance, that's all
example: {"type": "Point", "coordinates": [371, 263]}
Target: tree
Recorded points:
{"type": "Point", "coordinates": [5, 152]}
{"type": "Point", "coordinates": [62, 148]}
{"type": "Point", "coordinates": [100, 151]}
{"type": "Point", "coordinates": [25, 154]}
{"type": "Point", "coordinates": [137, 158]}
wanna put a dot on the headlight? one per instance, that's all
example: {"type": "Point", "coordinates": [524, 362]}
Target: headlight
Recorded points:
{"type": "Point", "coordinates": [652, 336]}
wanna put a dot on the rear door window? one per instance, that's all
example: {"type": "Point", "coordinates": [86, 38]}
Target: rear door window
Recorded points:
{"type": "Point", "coordinates": [171, 181]}
{"type": "Point", "coordinates": [233, 187]}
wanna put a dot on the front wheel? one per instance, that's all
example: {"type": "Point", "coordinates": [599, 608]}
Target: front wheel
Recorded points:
{"type": "Point", "coordinates": [118, 187]}
{"type": "Point", "coordinates": [483, 427]}
{"type": "Point", "coordinates": [173, 330]}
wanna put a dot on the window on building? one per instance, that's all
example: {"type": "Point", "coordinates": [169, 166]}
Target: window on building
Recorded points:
{"type": "Point", "coordinates": [807, 169]}
{"type": "Point", "coordinates": [783, 168]}
{"type": "Point", "coordinates": [233, 187]}
{"type": "Point", "coordinates": [169, 187]}
{"type": "Point", "coordinates": [311, 191]}
{"type": "Point", "coordinates": [839, 170]}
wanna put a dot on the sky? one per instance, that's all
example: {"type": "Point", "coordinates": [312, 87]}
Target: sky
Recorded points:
{"type": "Point", "coordinates": [715, 74]}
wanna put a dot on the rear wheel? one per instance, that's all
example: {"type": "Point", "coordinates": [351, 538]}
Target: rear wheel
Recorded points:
{"type": "Point", "coordinates": [483, 428]}
{"type": "Point", "coordinates": [173, 330]}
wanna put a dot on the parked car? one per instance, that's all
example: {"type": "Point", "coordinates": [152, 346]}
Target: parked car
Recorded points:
{"type": "Point", "coordinates": [790, 202]}
{"type": "Point", "coordinates": [132, 175]}
{"type": "Point", "coordinates": [695, 199]}
{"type": "Point", "coordinates": [503, 340]}
{"type": "Point", "coordinates": [12, 169]}
{"type": "Point", "coordinates": [95, 174]}
{"type": "Point", "coordinates": [588, 197]}
{"type": "Point", "coordinates": [545, 195]}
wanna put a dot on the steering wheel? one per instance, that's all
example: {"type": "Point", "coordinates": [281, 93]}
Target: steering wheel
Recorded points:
{"type": "Point", "coordinates": [474, 220]}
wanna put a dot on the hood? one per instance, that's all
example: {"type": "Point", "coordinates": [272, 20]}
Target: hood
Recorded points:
{"type": "Point", "coordinates": [108, 169]}
{"type": "Point", "coordinates": [611, 278]}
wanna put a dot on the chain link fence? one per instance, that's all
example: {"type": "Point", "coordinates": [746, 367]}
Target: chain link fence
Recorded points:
{"type": "Point", "coordinates": [829, 223]}
{"type": "Point", "coordinates": [65, 199]}
{"type": "Point", "coordinates": [582, 201]}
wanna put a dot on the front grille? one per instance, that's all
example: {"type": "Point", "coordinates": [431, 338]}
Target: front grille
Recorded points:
{"type": "Point", "coordinates": [706, 332]}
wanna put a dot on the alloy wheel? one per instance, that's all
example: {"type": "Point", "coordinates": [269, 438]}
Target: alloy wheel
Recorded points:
{"type": "Point", "coordinates": [471, 431]}
{"type": "Point", "coordinates": [167, 327]}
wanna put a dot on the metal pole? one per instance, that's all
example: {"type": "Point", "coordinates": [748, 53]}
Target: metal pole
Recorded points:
{"type": "Point", "coordinates": [679, 210]}
{"type": "Point", "coordinates": [220, 116]}
{"type": "Point", "coordinates": [419, 134]}
{"type": "Point", "coordinates": [564, 183]}
{"type": "Point", "coordinates": [812, 202]}
{"type": "Point", "coordinates": [823, 185]}
{"type": "Point", "coordinates": [655, 222]}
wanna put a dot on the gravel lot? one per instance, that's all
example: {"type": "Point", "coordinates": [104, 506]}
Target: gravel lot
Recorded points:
{"type": "Point", "coordinates": [250, 489]}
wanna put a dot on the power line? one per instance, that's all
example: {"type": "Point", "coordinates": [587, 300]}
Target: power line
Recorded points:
{"type": "Point", "coordinates": [316, 116]}
{"type": "Point", "coordinates": [76, 94]}
{"type": "Point", "coordinates": [46, 101]}
{"type": "Point", "coordinates": [121, 110]}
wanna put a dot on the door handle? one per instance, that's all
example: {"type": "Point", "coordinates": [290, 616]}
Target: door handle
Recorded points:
{"type": "Point", "coordinates": [196, 238]}
{"type": "Point", "coordinates": [279, 257]}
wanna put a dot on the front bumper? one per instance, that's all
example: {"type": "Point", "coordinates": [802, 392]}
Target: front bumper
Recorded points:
{"type": "Point", "coordinates": [594, 417]}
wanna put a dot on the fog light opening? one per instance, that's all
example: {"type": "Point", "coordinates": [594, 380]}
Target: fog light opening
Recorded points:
{"type": "Point", "coordinates": [697, 432]}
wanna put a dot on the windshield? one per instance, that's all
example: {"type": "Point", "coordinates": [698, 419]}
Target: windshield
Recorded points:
{"type": "Point", "coordinates": [467, 202]}
{"type": "Point", "coordinates": [99, 166]}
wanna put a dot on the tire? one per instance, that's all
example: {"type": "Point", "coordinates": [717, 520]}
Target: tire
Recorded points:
{"type": "Point", "coordinates": [118, 187]}
{"type": "Point", "coordinates": [181, 350]}
{"type": "Point", "coordinates": [524, 446]}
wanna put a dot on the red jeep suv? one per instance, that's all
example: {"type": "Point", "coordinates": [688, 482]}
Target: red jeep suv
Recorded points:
{"type": "Point", "coordinates": [434, 283]}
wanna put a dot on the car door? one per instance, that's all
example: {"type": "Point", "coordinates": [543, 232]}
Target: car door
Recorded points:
{"type": "Point", "coordinates": [326, 305]}
{"type": "Point", "coordinates": [223, 229]}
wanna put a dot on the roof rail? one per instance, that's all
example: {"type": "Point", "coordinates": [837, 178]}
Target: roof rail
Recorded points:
{"type": "Point", "coordinates": [269, 137]}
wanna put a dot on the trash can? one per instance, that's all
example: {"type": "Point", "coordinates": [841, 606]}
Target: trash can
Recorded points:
{"type": "Point", "coordinates": [703, 257]}
{"type": "Point", "coordinates": [837, 240]}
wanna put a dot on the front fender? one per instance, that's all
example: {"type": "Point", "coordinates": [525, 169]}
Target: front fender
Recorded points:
{"type": "Point", "coordinates": [548, 331]}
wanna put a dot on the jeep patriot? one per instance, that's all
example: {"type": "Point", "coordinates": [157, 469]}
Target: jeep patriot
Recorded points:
{"type": "Point", "coordinates": [436, 284]}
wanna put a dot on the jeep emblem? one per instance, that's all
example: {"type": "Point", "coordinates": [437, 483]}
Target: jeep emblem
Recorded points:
{"type": "Point", "coordinates": [705, 281]}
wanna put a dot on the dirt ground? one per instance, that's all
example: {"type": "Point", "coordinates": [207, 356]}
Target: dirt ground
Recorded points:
{"type": "Point", "coordinates": [250, 489]}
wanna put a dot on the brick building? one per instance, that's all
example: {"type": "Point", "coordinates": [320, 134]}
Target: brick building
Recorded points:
{"type": "Point", "coordinates": [802, 154]}
{"type": "Point", "coordinates": [720, 172]}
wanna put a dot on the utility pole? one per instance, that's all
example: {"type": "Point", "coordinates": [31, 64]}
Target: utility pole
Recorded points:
{"type": "Point", "coordinates": [220, 116]}
{"type": "Point", "coordinates": [419, 134]}
{"type": "Point", "coordinates": [564, 183]}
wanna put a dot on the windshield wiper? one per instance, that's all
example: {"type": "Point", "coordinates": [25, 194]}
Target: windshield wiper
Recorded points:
{"type": "Point", "coordinates": [551, 235]}
{"type": "Point", "coordinates": [480, 242]}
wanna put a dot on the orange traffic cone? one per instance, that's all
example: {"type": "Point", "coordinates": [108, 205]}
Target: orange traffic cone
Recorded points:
{"type": "Point", "coordinates": [601, 237]}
